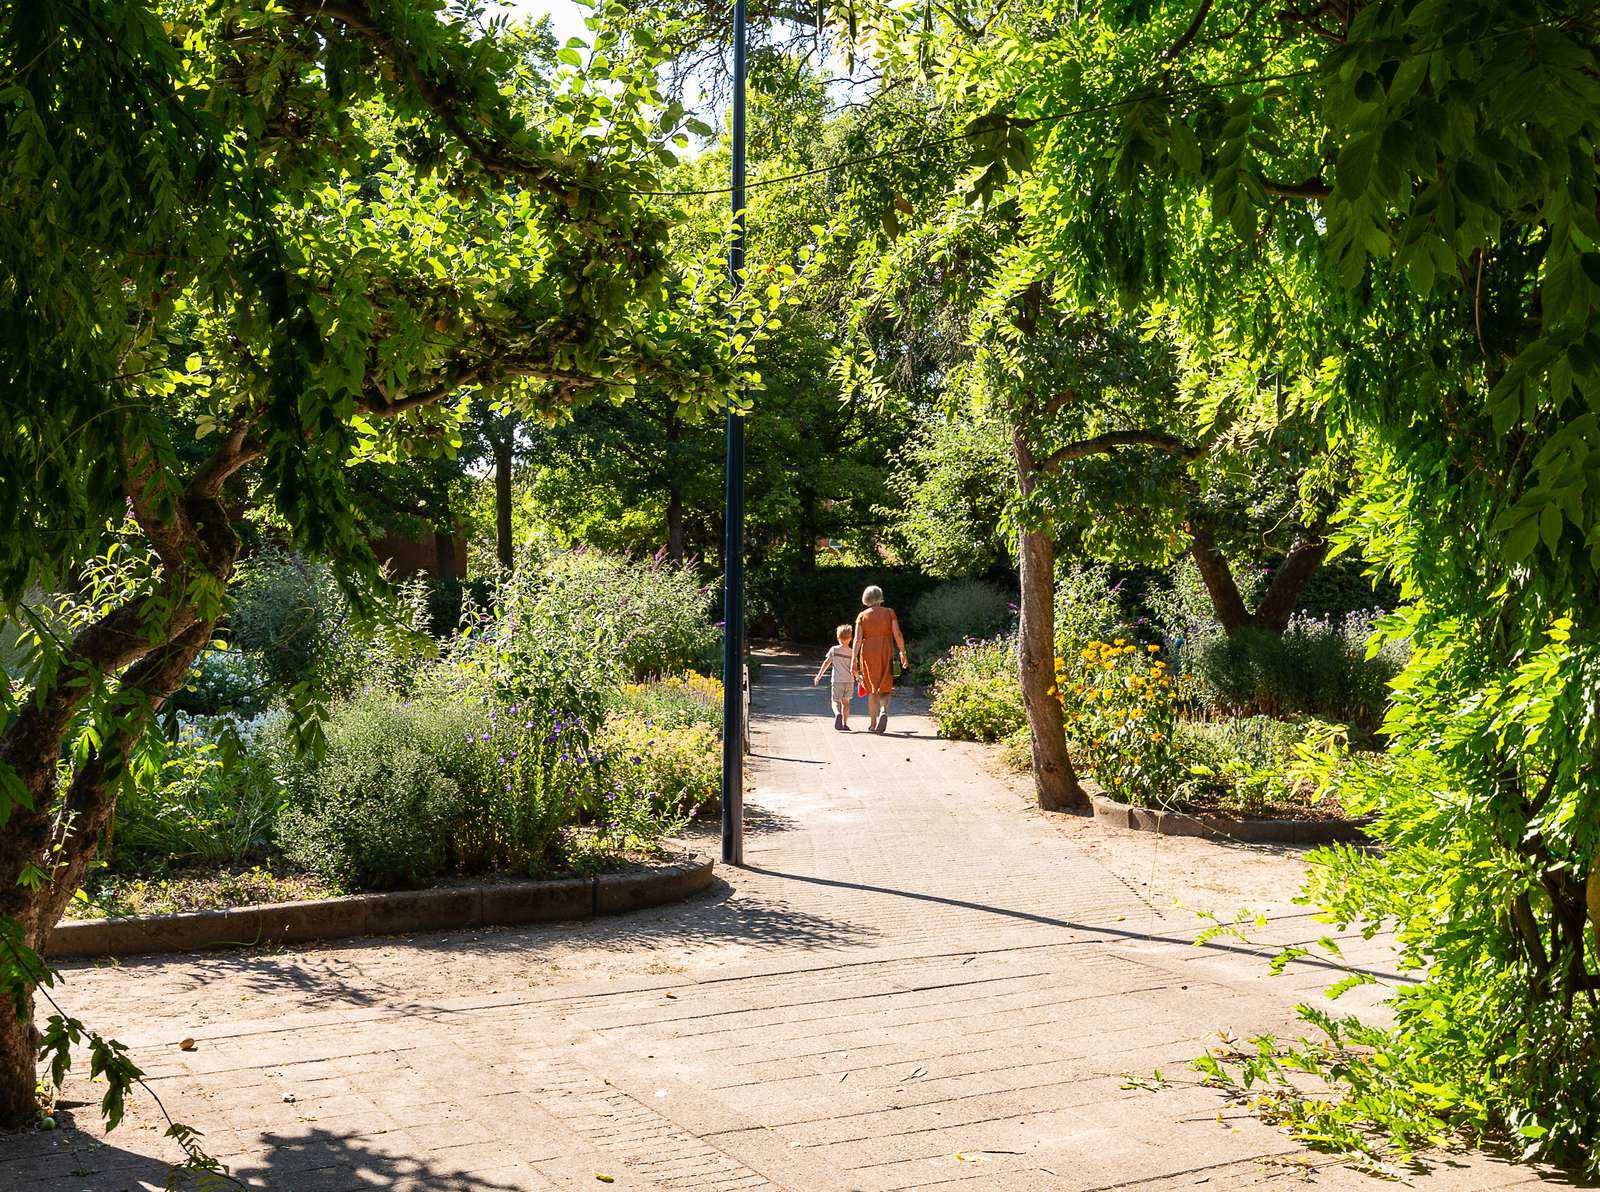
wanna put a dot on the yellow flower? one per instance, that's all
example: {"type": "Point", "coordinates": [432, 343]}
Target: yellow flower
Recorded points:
{"type": "Point", "coordinates": [1154, 649]}
{"type": "Point", "coordinates": [1120, 640]}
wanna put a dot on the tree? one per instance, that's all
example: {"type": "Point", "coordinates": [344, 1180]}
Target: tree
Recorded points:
{"type": "Point", "coordinates": [645, 476]}
{"type": "Point", "coordinates": [1395, 199]}
{"type": "Point", "coordinates": [245, 246]}
{"type": "Point", "coordinates": [954, 488]}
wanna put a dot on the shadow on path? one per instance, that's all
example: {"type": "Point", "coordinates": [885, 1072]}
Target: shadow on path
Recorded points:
{"type": "Point", "coordinates": [336, 975]}
{"type": "Point", "coordinates": [319, 1158]}
{"type": "Point", "coordinates": [1118, 932]}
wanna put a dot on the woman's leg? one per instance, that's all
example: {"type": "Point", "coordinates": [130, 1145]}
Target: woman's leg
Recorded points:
{"type": "Point", "coordinates": [872, 708]}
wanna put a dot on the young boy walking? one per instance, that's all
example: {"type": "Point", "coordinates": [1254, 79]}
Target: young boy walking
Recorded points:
{"type": "Point", "coordinates": [839, 658]}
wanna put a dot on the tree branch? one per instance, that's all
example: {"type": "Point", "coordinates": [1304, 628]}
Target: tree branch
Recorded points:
{"type": "Point", "coordinates": [1111, 441]}
{"type": "Point", "coordinates": [1290, 579]}
{"type": "Point", "coordinates": [1311, 190]}
{"type": "Point", "coordinates": [1188, 35]}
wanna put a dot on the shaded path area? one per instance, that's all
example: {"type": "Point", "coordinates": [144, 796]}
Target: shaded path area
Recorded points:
{"type": "Point", "coordinates": [919, 981]}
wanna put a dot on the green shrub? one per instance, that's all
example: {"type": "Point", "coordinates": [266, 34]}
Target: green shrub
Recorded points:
{"type": "Point", "coordinates": [538, 644]}
{"type": "Point", "coordinates": [1016, 751]}
{"type": "Point", "coordinates": [1120, 704]}
{"type": "Point", "coordinates": [1181, 609]}
{"type": "Point", "coordinates": [976, 696]}
{"type": "Point", "coordinates": [675, 769]}
{"type": "Point", "coordinates": [448, 598]}
{"type": "Point", "coordinates": [1087, 608]}
{"type": "Point", "coordinates": [377, 810]}
{"type": "Point", "coordinates": [1246, 765]}
{"type": "Point", "coordinates": [1315, 668]}
{"type": "Point", "coordinates": [200, 801]}
{"type": "Point", "coordinates": [290, 630]}
{"type": "Point", "coordinates": [962, 610]}
{"type": "Point", "coordinates": [986, 710]}
{"type": "Point", "coordinates": [523, 778]}
{"type": "Point", "coordinates": [637, 618]}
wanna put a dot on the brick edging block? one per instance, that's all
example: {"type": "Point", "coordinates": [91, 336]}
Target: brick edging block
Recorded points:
{"type": "Point", "coordinates": [1255, 831]}
{"type": "Point", "coordinates": [483, 904]}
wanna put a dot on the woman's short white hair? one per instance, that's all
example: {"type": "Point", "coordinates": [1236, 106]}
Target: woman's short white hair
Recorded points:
{"type": "Point", "coordinates": [872, 597]}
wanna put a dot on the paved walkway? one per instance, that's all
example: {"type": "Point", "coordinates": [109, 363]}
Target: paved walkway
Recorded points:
{"type": "Point", "coordinates": [919, 981]}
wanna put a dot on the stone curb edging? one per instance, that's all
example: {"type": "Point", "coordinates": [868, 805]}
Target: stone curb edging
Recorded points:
{"type": "Point", "coordinates": [1221, 827]}
{"type": "Point", "coordinates": [481, 905]}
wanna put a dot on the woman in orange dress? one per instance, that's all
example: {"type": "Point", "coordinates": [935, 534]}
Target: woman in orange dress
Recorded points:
{"type": "Point", "coordinates": [877, 638]}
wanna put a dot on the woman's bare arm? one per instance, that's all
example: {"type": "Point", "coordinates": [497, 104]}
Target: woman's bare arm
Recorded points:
{"type": "Point", "coordinates": [898, 640]}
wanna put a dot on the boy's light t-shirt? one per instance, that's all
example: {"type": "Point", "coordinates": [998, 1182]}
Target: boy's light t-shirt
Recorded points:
{"type": "Point", "coordinates": [843, 680]}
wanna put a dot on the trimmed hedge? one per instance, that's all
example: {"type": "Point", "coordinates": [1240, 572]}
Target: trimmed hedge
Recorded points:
{"type": "Point", "coordinates": [807, 606]}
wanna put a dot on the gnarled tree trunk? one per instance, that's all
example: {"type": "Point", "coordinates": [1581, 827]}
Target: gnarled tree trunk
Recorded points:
{"type": "Point", "coordinates": [1283, 594]}
{"type": "Point", "coordinates": [147, 647]}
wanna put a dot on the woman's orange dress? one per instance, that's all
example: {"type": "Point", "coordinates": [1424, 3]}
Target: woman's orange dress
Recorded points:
{"type": "Point", "coordinates": [875, 648]}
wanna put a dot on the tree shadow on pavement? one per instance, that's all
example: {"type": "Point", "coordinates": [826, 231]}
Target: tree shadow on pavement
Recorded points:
{"type": "Point", "coordinates": [1263, 953]}
{"type": "Point", "coordinates": [310, 1160]}
{"type": "Point", "coordinates": [364, 973]}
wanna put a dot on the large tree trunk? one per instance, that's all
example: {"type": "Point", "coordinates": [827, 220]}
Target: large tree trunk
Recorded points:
{"type": "Point", "coordinates": [504, 548]}
{"type": "Point", "coordinates": [56, 833]}
{"type": "Point", "coordinates": [675, 535]}
{"type": "Point", "coordinates": [64, 846]}
{"type": "Point", "coordinates": [19, 1053]}
{"type": "Point", "coordinates": [1055, 780]}
{"type": "Point", "coordinates": [444, 540]}
{"type": "Point", "coordinates": [675, 524]}
{"type": "Point", "coordinates": [1226, 602]}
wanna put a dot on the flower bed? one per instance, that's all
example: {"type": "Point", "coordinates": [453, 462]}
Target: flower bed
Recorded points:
{"type": "Point", "coordinates": [526, 743]}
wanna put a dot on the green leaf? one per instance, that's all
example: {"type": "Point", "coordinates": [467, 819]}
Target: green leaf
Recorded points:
{"type": "Point", "coordinates": [1355, 164]}
{"type": "Point", "coordinates": [1550, 526]}
{"type": "Point", "coordinates": [1519, 543]}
